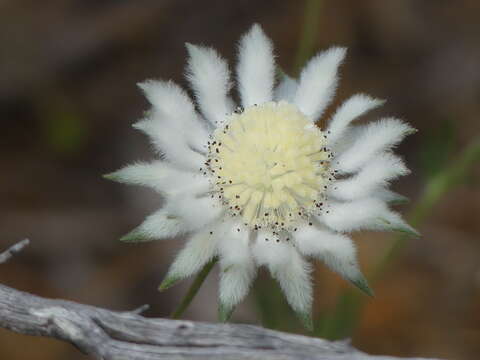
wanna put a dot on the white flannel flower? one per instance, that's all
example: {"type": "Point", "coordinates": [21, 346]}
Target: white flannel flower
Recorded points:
{"type": "Point", "coordinates": [259, 183]}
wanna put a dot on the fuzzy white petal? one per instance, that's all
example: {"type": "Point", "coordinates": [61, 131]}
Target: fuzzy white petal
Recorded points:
{"type": "Point", "coordinates": [162, 177]}
{"type": "Point", "coordinates": [289, 268]}
{"type": "Point", "coordinates": [237, 268]}
{"type": "Point", "coordinates": [266, 250]}
{"type": "Point", "coordinates": [159, 225]}
{"type": "Point", "coordinates": [371, 140]}
{"type": "Point", "coordinates": [286, 89]}
{"type": "Point", "coordinates": [256, 67]}
{"type": "Point", "coordinates": [337, 251]}
{"type": "Point", "coordinates": [362, 214]}
{"type": "Point", "coordinates": [234, 244]}
{"type": "Point", "coordinates": [389, 196]}
{"type": "Point", "coordinates": [373, 176]}
{"type": "Point", "coordinates": [209, 76]}
{"type": "Point", "coordinates": [235, 282]}
{"type": "Point", "coordinates": [351, 109]}
{"type": "Point", "coordinates": [349, 136]}
{"type": "Point", "coordinates": [171, 144]}
{"type": "Point", "coordinates": [172, 106]}
{"type": "Point", "coordinates": [318, 82]}
{"type": "Point", "coordinates": [200, 249]}
{"type": "Point", "coordinates": [197, 212]}
{"type": "Point", "coordinates": [181, 214]}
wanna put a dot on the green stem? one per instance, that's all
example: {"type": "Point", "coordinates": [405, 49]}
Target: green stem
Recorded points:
{"type": "Point", "coordinates": [309, 31]}
{"type": "Point", "coordinates": [433, 192]}
{"type": "Point", "coordinates": [342, 321]}
{"type": "Point", "coordinates": [193, 290]}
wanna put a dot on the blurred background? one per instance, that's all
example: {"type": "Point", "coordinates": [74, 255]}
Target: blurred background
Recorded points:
{"type": "Point", "coordinates": [68, 97]}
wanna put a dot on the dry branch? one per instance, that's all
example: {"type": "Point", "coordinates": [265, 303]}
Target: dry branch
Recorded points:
{"type": "Point", "coordinates": [113, 335]}
{"type": "Point", "coordinates": [12, 250]}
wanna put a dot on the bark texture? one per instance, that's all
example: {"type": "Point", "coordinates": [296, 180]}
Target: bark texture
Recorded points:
{"type": "Point", "coordinates": [113, 335]}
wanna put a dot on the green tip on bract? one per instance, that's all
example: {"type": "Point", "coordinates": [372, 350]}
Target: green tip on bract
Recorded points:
{"type": "Point", "coordinates": [306, 319]}
{"type": "Point", "coordinates": [168, 282]}
{"type": "Point", "coordinates": [112, 176]}
{"type": "Point", "coordinates": [362, 283]}
{"type": "Point", "coordinates": [406, 230]}
{"type": "Point", "coordinates": [225, 312]}
{"type": "Point", "coordinates": [134, 236]}
{"type": "Point", "coordinates": [228, 268]}
{"type": "Point", "coordinates": [399, 200]}
{"type": "Point", "coordinates": [281, 73]}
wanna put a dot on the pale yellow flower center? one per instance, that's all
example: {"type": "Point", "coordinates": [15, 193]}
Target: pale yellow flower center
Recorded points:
{"type": "Point", "coordinates": [269, 165]}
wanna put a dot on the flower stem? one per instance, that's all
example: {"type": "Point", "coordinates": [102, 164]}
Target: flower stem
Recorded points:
{"type": "Point", "coordinates": [342, 321]}
{"type": "Point", "coordinates": [434, 190]}
{"type": "Point", "coordinates": [308, 35]}
{"type": "Point", "coordinates": [193, 290]}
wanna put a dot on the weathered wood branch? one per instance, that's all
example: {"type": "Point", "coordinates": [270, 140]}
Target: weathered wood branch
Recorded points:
{"type": "Point", "coordinates": [12, 250]}
{"type": "Point", "coordinates": [112, 335]}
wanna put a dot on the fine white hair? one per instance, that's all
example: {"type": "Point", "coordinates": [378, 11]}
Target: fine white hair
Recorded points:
{"type": "Point", "coordinates": [350, 110]}
{"type": "Point", "coordinates": [289, 268]}
{"type": "Point", "coordinates": [372, 139]}
{"type": "Point", "coordinates": [318, 82]}
{"type": "Point", "coordinates": [209, 77]}
{"type": "Point", "coordinates": [256, 67]}
{"type": "Point", "coordinates": [374, 175]}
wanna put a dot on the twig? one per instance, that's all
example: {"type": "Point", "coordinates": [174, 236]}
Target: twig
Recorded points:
{"type": "Point", "coordinates": [6, 255]}
{"type": "Point", "coordinates": [112, 335]}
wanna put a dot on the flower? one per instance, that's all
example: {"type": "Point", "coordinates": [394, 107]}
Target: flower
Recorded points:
{"type": "Point", "coordinates": [260, 184]}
